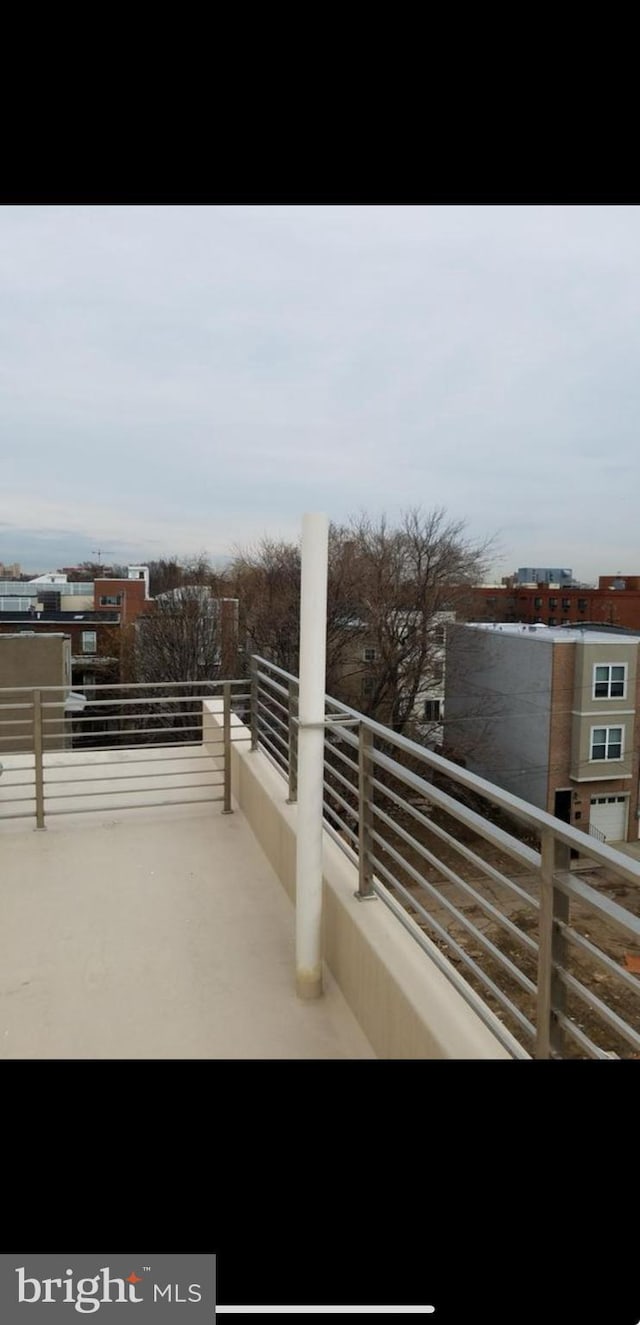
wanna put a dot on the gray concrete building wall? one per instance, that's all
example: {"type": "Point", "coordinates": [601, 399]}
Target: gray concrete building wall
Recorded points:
{"type": "Point", "coordinates": [498, 707]}
{"type": "Point", "coordinates": [38, 661]}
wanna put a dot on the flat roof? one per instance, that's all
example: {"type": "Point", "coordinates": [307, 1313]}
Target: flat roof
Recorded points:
{"type": "Point", "coordinates": [556, 634]}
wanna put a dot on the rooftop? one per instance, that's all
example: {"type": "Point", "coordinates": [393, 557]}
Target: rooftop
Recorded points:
{"type": "Point", "coordinates": [154, 916]}
{"type": "Point", "coordinates": [165, 935]}
{"type": "Point", "coordinates": [557, 634]}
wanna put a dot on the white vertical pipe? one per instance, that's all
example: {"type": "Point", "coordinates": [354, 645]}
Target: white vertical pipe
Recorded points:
{"type": "Point", "coordinates": [313, 645]}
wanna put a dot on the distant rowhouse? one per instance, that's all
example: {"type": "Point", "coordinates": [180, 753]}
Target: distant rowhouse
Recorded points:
{"type": "Point", "coordinates": [615, 602]}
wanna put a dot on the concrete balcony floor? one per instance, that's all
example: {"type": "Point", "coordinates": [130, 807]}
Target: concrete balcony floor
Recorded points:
{"type": "Point", "coordinates": [154, 934]}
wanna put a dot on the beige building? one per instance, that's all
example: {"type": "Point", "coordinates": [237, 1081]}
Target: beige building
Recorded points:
{"type": "Point", "coordinates": [550, 715]}
{"type": "Point", "coordinates": [37, 661]}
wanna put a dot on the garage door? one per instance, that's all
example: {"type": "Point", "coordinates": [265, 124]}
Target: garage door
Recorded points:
{"type": "Point", "coordinates": [609, 815]}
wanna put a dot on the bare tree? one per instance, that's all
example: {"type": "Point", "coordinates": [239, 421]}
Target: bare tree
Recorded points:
{"type": "Point", "coordinates": [387, 587]}
{"type": "Point", "coordinates": [179, 639]}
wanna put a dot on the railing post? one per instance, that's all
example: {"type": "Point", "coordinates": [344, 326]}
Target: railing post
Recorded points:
{"type": "Point", "coordinates": [37, 750]}
{"type": "Point", "coordinates": [226, 734]}
{"type": "Point", "coordinates": [554, 906]}
{"type": "Point", "coordinates": [293, 745]}
{"type": "Point", "coordinates": [254, 704]}
{"type": "Point", "coordinates": [365, 814]}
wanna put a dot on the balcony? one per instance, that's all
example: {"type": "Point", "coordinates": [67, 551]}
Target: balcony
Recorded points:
{"type": "Point", "coordinates": [154, 917]}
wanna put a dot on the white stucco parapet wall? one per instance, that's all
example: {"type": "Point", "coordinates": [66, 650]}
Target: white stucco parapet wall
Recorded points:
{"type": "Point", "coordinates": [403, 1002]}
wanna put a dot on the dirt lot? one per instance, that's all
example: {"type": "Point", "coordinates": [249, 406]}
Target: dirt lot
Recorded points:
{"type": "Point", "coordinates": [604, 935]}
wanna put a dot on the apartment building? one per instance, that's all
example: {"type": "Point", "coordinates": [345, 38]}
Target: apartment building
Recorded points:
{"type": "Point", "coordinates": [88, 612]}
{"type": "Point", "coordinates": [614, 602]}
{"type": "Point", "coordinates": [363, 663]}
{"type": "Point", "coordinates": [550, 715]}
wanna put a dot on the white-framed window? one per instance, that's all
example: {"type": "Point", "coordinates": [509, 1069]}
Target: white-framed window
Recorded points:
{"type": "Point", "coordinates": [432, 710]}
{"type": "Point", "coordinates": [367, 686]}
{"type": "Point", "coordinates": [609, 681]}
{"type": "Point", "coordinates": [606, 743]}
{"type": "Point", "coordinates": [89, 641]}
{"type": "Point", "coordinates": [369, 655]}
{"type": "Point", "coordinates": [110, 599]}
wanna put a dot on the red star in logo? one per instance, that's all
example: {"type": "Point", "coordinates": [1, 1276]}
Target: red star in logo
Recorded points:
{"type": "Point", "coordinates": [133, 1279]}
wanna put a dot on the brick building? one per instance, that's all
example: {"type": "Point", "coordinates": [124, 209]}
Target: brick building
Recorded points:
{"type": "Point", "coordinates": [615, 602]}
{"type": "Point", "coordinates": [90, 613]}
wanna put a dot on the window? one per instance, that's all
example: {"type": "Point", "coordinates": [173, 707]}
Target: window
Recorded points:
{"type": "Point", "coordinates": [89, 641]}
{"type": "Point", "coordinates": [437, 672]}
{"type": "Point", "coordinates": [552, 621]}
{"type": "Point", "coordinates": [110, 599]}
{"type": "Point", "coordinates": [367, 686]}
{"type": "Point", "coordinates": [565, 621]}
{"type": "Point", "coordinates": [432, 710]}
{"type": "Point", "coordinates": [609, 681]}
{"type": "Point", "coordinates": [582, 604]}
{"type": "Point", "coordinates": [566, 604]}
{"type": "Point", "coordinates": [537, 603]}
{"type": "Point", "coordinates": [438, 633]}
{"type": "Point", "coordinates": [369, 655]}
{"type": "Point", "coordinates": [553, 603]}
{"type": "Point", "coordinates": [606, 743]}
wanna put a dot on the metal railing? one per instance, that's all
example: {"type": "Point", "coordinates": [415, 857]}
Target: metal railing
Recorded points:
{"type": "Point", "coordinates": [489, 879]}
{"type": "Point", "coordinates": [597, 833]}
{"type": "Point", "coordinates": [128, 742]}
{"type": "Point", "coordinates": [482, 880]}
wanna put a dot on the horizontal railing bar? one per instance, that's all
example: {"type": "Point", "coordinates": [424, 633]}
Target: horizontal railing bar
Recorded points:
{"type": "Point", "coordinates": [274, 716]}
{"type": "Point", "coordinates": [575, 887]}
{"type": "Point", "coordinates": [585, 945]}
{"type": "Point", "coordinates": [18, 722]}
{"type": "Point", "coordinates": [583, 1040]}
{"type": "Point", "coordinates": [12, 708]}
{"type": "Point", "coordinates": [446, 968]}
{"type": "Point", "coordinates": [453, 842]}
{"type": "Point", "coordinates": [142, 732]}
{"type": "Point", "coordinates": [168, 700]}
{"type": "Point", "coordinates": [172, 715]}
{"type": "Point", "coordinates": [272, 700]}
{"type": "Point", "coordinates": [149, 805]}
{"type": "Point", "coordinates": [274, 759]}
{"type": "Point", "coordinates": [521, 809]}
{"type": "Point", "coordinates": [125, 791]}
{"type": "Point", "coordinates": [276, 735]}
{"type": "Point", "coordinates": [264, 662]}
{"type": "Point", "coordinates": [596, 1004]}
{"type": "Point", "coordinates": [341, 801]}
{"type": "Point", "coordinates": [279, 757]}
{"type": "Point", "coordinates": [123, 685]}
{"type": "Point", "coordinates": [344, 827]}
{"type": "Point", "coordinates": [51, 755]}
{"type": "Point", "coordinates": [345, 735]}
{"type": "Point", "coordinates": [268, 680]}
{"type": "Point", "coordinates": [510, 845]}
{"type": "Point", "coordinates": [333, 749]}
{"type": "Point", "coordinates": [506, 963]}
{"type": "Point", "coordinates": [348, 850]}
{"type": "Point", "coordinates": [351, 786]}
{"type": "Point", "coordinates": [459, 882]}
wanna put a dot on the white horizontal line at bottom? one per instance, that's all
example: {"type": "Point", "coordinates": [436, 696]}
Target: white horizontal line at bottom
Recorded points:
{"type": "Point", "coordinates": [328, 1311]}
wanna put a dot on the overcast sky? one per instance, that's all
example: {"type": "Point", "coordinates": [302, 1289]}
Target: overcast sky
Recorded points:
{"type": "Point", "coordinates": [180, 379]}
